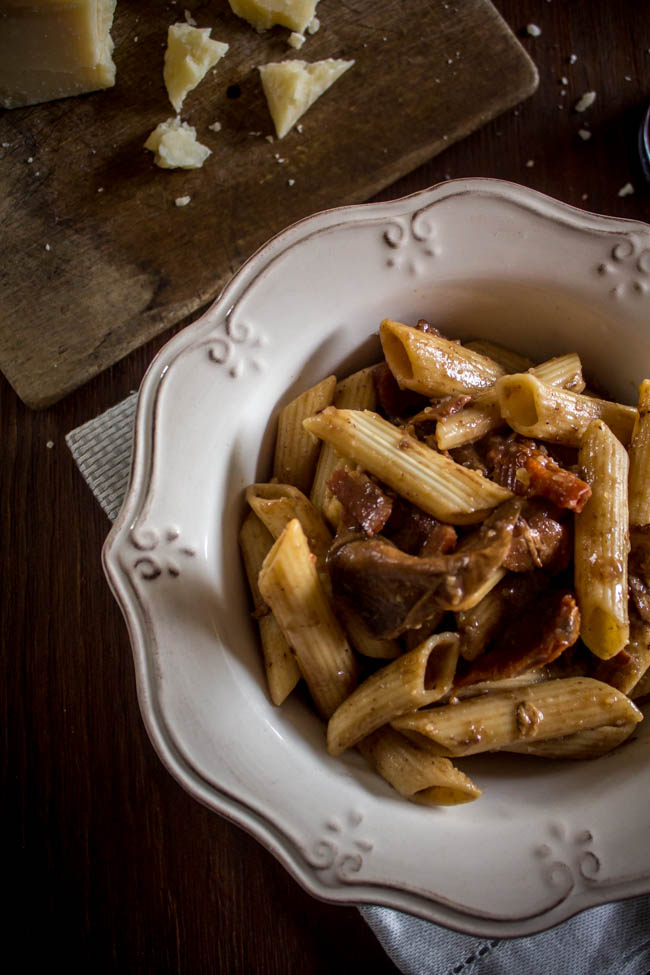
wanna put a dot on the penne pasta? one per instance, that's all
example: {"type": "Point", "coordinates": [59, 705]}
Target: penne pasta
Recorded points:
{"type": "Point", "coordinates": [551, 709]}
{"type": "Point", "coordinates": [277, 504]}
{"type": "Point", "coordinates": [602, 543]}
{"type": "Point", "coordinates": [432, 365]}
{"type": "Point", "coordinates": [484, 414]}
{"type": "Point", "coordinates": [537, 409]}
{"type": "Point", "coordinates": [581, 745]}
{"type": "Point", "coordinates": [296, 451]}
{"type": "Point", "coordinates": [508, 359]}
{"type": "Point", "coordinates": [357, 392]}
{"type": "Point", "coordinates": [290, 585]}
{"type": "Point", "coordinates": [625, 670]}
{"type": "Point", "coordinates": [639, 483]}
{"type": "Point", "coordinates": [412, 681]}
{"type": "Point", "coordinates": [416, 774]}
{"type": "Point", "coordinates": [282, 673]}
{"type": "Point", "coordinates": [430, 480]}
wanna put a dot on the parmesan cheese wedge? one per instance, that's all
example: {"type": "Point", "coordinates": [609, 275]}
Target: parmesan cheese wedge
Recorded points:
{"type": "Point", "coordinates": [291, 87]}
{"type": "Point", "coordinates": [52, 50]}
{"type": "Point", "coordinates": [174, 143]}
{"type": "Point", "coordinates": [189, 56]}
{"type": "Point", "coordinates": [262, 14]}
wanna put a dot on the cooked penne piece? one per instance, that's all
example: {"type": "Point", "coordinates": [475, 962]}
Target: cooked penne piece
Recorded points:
{"type": "Point", "coordinates": [639, 485]}
{"type": "Point", "coordinates": [484, 414]}
{"type": "Point", "coordinates": [357, 392]}
{"type": "Point", "coordinates": [296, 451]}
{"type": "Point", "coordinates": [580, 745]}
{"type": "Point", "coordinates": [413, 680]}
{"type": "Point", "coordinates": [276, 504]}
{"type": "Point", "coordinates": [551, 709]}
{"type": "Point", "coordinates": [282, 672]}
{"type": "Point", "coordinates": [505, 684]}
{"type": "Point", "coordinates": [432, 365]}
{"type": "Point", "coordinates": [415, 774]}
{"type": "Point", "coordinates": [509, 360]}
{"type": "Point", "coordinates": [537, 409]}
{"type": "Point", "coordinates": [290, 585]}
{"type": "Point", "coordinates": [625, 670]}
{"type": "Point", "coordinates": [602, 543]}
{"type": "Point", "coordinates": [430, 480]}
{"type": "Point", "coordinates": [468, 425]}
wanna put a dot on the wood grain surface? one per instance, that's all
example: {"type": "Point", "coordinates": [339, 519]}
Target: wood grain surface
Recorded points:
{"type": "Point", "coordinates": [111, 866]}
{"type": "Point", "coordinates": [124, 263]}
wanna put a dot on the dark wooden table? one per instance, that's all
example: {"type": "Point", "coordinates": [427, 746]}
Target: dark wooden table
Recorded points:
{"type": "Point", "coordinates": [117, 867]}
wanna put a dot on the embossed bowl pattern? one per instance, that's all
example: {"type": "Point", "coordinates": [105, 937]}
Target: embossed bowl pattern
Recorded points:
{"type": "Point", "coordinates": [480, 258]}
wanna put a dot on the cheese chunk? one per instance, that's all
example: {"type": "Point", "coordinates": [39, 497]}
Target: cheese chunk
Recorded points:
{"type": "Point", "coordinates": [262, 14]}
{"type": "Point", "coordinates": [174, 143]}
{"type": "Point", "coordinates": [54, 48]}
{"type": "Point", "coordinates": [291, 87]}
{"type": "Point", "coordinates": [189, 56]}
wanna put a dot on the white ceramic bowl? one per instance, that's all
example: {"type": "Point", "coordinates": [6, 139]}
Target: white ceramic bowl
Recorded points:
{"type": "Point", "coordinates": [480, 258]}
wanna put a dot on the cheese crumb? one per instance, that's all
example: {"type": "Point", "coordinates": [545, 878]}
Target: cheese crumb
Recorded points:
{"type": "Point", "coordinates": [530, 163]}
{"type": "Point", "coordinates": [573, 58]}
{"type": "Point", "coordinates": [290, 182]}
{"type": "Point", "coordinates": [189, 19]}
{"type": "Point", "coordinates": [291, 87]}
{"type": "Point", "coordinates": [626, 190]}
{"type": "Point", "coordinates": [314, 26]}
{"type": "Point", "coordinates": [584, 134]}
{"type": "Point", "coordinates": [296, 40]}
{"type": "Point", "coordinates": [182, 201]}
{"type": "Point", "coordinates": [262, 14]}
{"type": "Point", "coordinates": [534, 30]}
{"type": "Point", "coordinates": [48, 248]}
{"type": "Point", "coordinates": [49, 444]}
{"type": "Point", "coordinates": [215, 127]}
{"type": "Point", "coordinates": [564, 80]}
{"type": "Point", "coordinates": [174, 143]}
{"type": "Point", "coordinates": [189, 56]}
{"type": "Point", "coordinates": [585, 102]}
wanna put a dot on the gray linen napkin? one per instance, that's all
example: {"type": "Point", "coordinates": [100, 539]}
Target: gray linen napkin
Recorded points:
{"type": "Point", "coordinates": [610, 940]}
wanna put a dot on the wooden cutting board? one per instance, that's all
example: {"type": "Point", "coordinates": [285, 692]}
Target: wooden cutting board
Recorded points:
{"type": "Point", "coordinates": [96, 258]}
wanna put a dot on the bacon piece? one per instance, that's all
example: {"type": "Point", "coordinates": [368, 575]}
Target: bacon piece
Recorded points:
{"type": "Point", "coordinates": [533, 639]}
{"type": "Point", "coordinates": [542, 539]}
{"type": "Point", "coordinates": [548, 480]}
{"type": "Point", "coordinates": [525, 467]}
{"type": "Point", "coordinates": [394, 401]}
{"type": "Point", "coordinates": [418, 533]}
{"type": "Point", "coordinates": [363, 500]}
